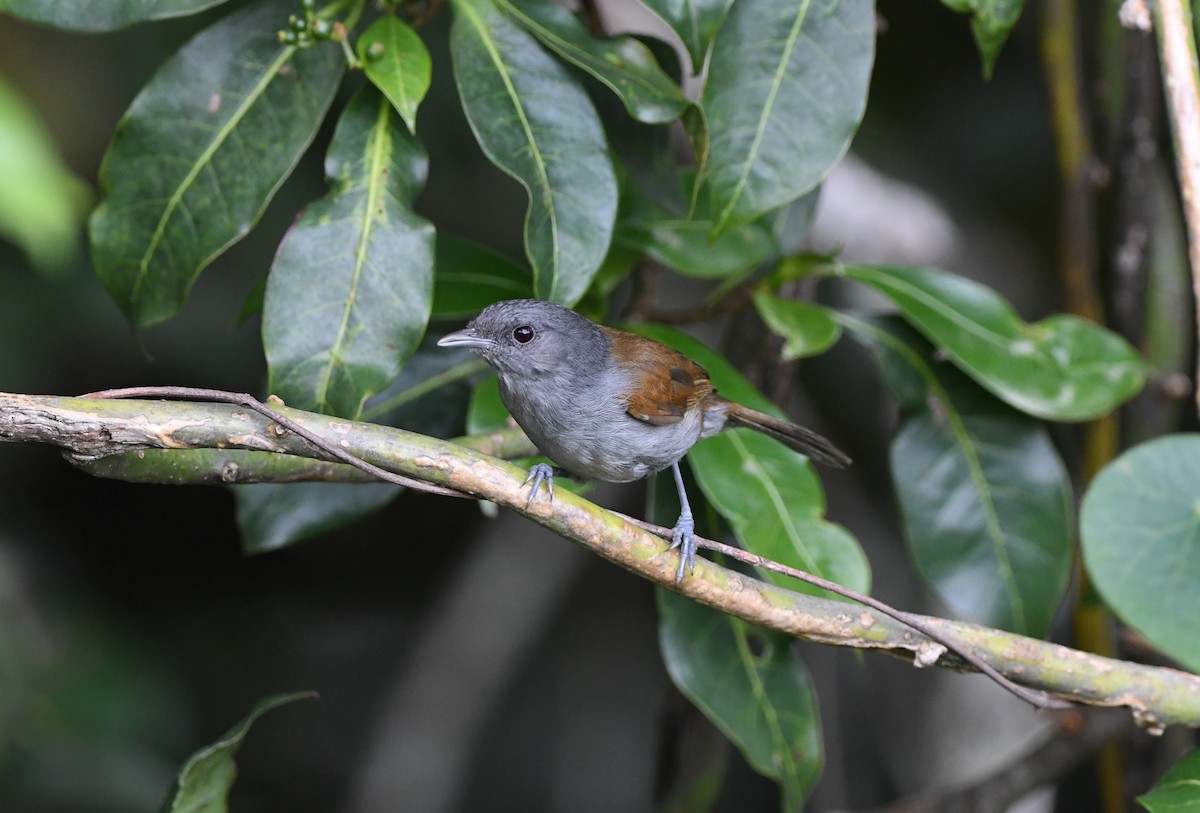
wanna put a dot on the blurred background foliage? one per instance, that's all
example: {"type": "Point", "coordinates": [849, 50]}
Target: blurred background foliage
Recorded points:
{"type": "Point", "coordinates": [464, 664]}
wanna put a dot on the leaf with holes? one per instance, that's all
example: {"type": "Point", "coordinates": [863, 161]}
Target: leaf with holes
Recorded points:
{"type": "Point", "coordinates": [536, 123]}
{"type": "Point", "coordinates": [786, 89]}
{"type": "Point", "coordinates": [351, 288]}
{"type": "Point", "coordinates": [751, 684]}
{"type": "Point", "coordinates": [769, 494]}
{"type": "Point", "coordinates": [200, 153]}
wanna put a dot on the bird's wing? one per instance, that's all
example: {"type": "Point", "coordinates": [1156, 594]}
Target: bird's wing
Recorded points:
{"type": "Point", "coordinates": [665, 384]}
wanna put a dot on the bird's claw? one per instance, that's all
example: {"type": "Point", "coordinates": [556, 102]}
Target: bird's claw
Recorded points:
{"type": "Point", "coordinates": [683, 537]}
{"type": "Point", "coordinates": [539, 473]}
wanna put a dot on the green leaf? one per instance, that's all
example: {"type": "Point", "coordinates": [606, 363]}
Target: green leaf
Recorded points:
{"type": "Point", "coordinates": [786, 89]}
{"type": "Point", "coordinates": [1062, 368]}
{"type": "Point", "coordinates": [1179, 790]}
{"type": "Point", "coordinates": [751, 684]}
{"type": "Point", "coordinates": [768, 493]}
{"type": "Point", "coordinates": [351, 288]}
{"type": "Point", "coordinates": [42, 203]}
{"type": "Point", "coordinates": [683, 241]}
{"type": "Point", "coordinates": [272, 516]}
{"type": "Point", "coordinates": [695, 21]}
{"type": "Point", "coordinates": [102, 15]}
{"type": "Point", "coordinates": [200, 153]}
{"type": "Point", "coordinates": [625, 65]}
{"type": "Point", "coordinates": [1139, 526]}
{"type": "Point", "coordinates": [535, 123]}
{"type": "Point", "coordinates": [396, 61]}
{"type": "Point", "coordinates": [469, 278]}
{"type": "Point", "coordinates": [486, 412]}
{"type": "Point", "coordinates": [984, 496]}
{"type": "Point", "coordinates": [204, 781]}
{"type": "Point", "coordinates": [991, 22]}
{"type": "Point", "coordinates": [807, 329]}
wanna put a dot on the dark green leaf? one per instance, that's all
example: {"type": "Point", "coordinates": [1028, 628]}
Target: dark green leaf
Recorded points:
{"type": "Point", "coordinates": [622, 63]}
{"type": "Point", "coordinates": [1179, 790]}
{"type": "Point", "coordinates": [42, 203]}
{"type": "Point", "coordinates": [1139, 524]}
{"type": "Point", "coordinates": [751, 684]}
{"type": "Point", "coordinates": [665, 228]}
{"type": "Point", "coordinates": [807, 329]}
{"type": "Point", "coordinates": [768, 493]}
{"type": "Point", "coordinates": [469, 278]}
{"type": "Point", "coordinates": [984, 497]}
{"type": "Point", "coordinates": [1062, 368]}
{"type": "Point", "coordinates": [695, 21]}
{"type": "Point", "coordinates": [103, 15]}
{"type": "Point", "coordinates": [991, 22]}
{"type": "Point", "coordinates": [203, 783]}
{"type": "Point", "coordinates": [272, 516]}
{"type": "Point", "coordinates": [396, 61]}
{"type": "Point", "coordinates": [351, 288]}
{"type": "Point", "coordinates": [786, 89]}
{"type": "Point", "coordinates": [534, 121]}
{"type": "Point", "coordinates": [486, 412]}
{"type": "Point", "coordinates": [201, 151]}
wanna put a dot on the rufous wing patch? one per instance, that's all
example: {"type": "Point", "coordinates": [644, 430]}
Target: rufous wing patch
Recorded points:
{"type": "Point", "coordinates": [666, 383]}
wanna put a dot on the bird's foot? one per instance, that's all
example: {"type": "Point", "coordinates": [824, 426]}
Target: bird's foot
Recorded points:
{"type": "Point", "coordinates": [683, 537]}
{"type": "Point", "coordinates": [539, 473]}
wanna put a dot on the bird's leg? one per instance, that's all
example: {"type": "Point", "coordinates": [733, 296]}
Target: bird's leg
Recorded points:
{"type": "Point", "coordinates": [682, 536]}
{"type": "Point", "coordinates": [539, 473]}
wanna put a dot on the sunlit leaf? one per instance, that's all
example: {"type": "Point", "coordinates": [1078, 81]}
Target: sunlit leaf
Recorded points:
{"type": "Point", "coordinates": [1139, 525]}
{"type": "Point", "coordinates": [535, 122]}
{"type": "Point", "coordinates": [200, 153]}
{"type": "Point", "coordinates": [1179, 790]}
{"type": "Point", "coordinates": [786, 89]}
{"type": "Point", "coordinates": [807, 329]}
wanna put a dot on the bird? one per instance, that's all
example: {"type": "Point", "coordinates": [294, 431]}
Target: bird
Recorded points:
{"type": "Point", "coordinates": [605, 404]}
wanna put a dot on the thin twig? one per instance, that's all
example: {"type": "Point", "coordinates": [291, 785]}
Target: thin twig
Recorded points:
{"type": "Point", "coordinates": [250, 402]}
{"type": "Point", "coordinates": [1034, 697]}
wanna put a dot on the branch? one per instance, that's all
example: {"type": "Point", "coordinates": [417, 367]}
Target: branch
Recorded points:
{"type": "Point", "coordinates": [92, 429]}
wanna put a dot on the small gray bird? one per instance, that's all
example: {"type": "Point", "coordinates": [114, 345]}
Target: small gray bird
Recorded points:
{"type": "Point", "coordinates": [609, 405]}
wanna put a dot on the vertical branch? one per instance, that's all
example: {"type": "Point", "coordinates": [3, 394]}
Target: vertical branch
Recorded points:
{"type": "Point", "coordinates": [1173, 21]}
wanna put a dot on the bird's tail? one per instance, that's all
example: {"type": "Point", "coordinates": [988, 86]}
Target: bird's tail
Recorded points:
{"type": "Point", "coordinates": [805, 441]}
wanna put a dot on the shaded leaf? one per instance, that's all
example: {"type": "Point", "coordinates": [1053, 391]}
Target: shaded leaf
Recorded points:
{"type": "Point", "coordinates": [200, 153]}
{"type": "Point", "coordinates": [102, 15]}
{"type": "Point", "coordinates": [470, 277]}
{"type": "Point", "coordinates": [991, 22]}
{"type": "Point", "coordinates": [807, 329]}
{"type": "Point", "coordinates": [622, 63]}
{"type": "Point", "coordinates": [751, 684]}
{"type": "Point", "coordinates": [984, 497]}
{"type": "Point", "coordinates": [42, 203]}
{"type": "Point", "coordinates": [203, 783]}
{"type": "Point", "coordinates": [1139, 526]}
{"type": "Point", "coordinates": [351, 287]}
{"type": "Point", "coordinates": [272, 516]}
{"type": "Point", "coordinates": [695, 21]}
{"type": "Point", "coordinates": [1179, 790]}
{"type": "Point", "coordinates": [1062, 368]}
{"type": "Point", "coordinates": [786, 89]}
{"type": "Point", "coordinates": [486, 412]}
{"type": "Point", "coordinates": [534, 122]}
{"type": "Point", "coordinates": [769, 494]}
{"type": "Point", "coordinates": [396, 61]}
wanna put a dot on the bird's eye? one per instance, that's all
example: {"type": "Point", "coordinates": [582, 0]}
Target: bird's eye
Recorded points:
{"type": "Point", "coordinates": [523, 334]}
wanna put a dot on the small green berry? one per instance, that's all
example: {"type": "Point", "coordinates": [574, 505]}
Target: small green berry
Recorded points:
{"type": "Point", "coordinates": [320, 29]}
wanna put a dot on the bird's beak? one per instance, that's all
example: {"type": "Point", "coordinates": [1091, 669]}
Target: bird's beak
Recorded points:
{"type": "Point", "coordinates": [465, 338]}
